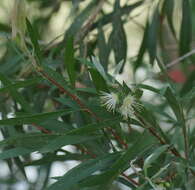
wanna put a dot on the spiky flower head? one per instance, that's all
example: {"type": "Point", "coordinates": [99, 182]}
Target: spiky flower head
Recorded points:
{"type": "Point", "coordinates": [129, 105]}
{"type": "Point", "coordinates": [110, 100]}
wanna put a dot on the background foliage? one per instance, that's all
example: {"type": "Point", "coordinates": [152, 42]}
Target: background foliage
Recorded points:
{"type": "Point", "coordinates": [54, 68]}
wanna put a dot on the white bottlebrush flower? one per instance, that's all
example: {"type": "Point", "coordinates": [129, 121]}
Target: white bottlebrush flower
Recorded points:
{"type": "Point", "coordinates": [129, 105]}
{"type": "Point", "coordinates": [110, 100]}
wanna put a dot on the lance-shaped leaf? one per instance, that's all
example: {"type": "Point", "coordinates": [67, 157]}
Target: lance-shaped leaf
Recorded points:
{"type": "Point", "coordinates": [98, 80]}
{"type": "Point", "coordinates": [31, 140]}
{"type": "Point", "coordinates": [82, 171]}
{"type": "Point", "coordinates": [67, 140]}
{"type": "Point", "coordinates": [173, 103]}
{"type": "Point", "coordinates": [79, 20]}
{"type": "Point", "coordinates": [152, 38]}
{"type": "Point", "coordinates": [168, 9]}
{"type": "Point", "coordinates": [15, 152]}
{"type": "Point", "coordinates": [20, 84]}
{"type": "Point", "coordinates": [104, 51]}
{"type": "Point", "coordinates": [154, 156]}
{"type": "Point", "coordinates": [16, 95]}
{"type": "Point", "coordinates": [186, 29]}
{"type": "Point", "coordinates": [33, 118]}
{"type": "Point", "coordinates": [69, 59]}
{"type": "Point", "coordinates": [118, 40]}
{"type": "Point", "coordinates": [138, 148]}
{"type": "Point", "coordinates": [142, 49]}
{"type": "Point", "coordinates": [34, 39]}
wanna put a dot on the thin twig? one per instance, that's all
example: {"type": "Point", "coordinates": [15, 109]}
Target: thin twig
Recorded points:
{"type": "Point", "coordinates": [155, 134]}
{"type": "Point", "coordinates": [175, 62]}
{"type": "Point", "coordinates": [86, 152]}
{"type": "Point", "coordinates": [75, 98]}
{"type": "Point", "coordinates": [131, 180]}
{"type": "Point", "coordinates": [42, 129]}
{"type": "Point", "coordinates": [83, 106]}
{"type": "Point", "coordinates": [84, 30]}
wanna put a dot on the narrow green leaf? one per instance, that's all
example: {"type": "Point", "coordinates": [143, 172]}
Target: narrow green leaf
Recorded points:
{"type": "Point", "coordinates": [142, 49]}
{"type": "Point", "coordinates": [12, 62]}
{"type": "Point", "coordinates": [98, 80]}
{"type": "Point", "coordinates": [104, 51]}
{"type": "Point", "coordinates": [154, 156]}
{"type": "Point", "coordinates": [94, 180]}
{"type": "Point", "coordinates": [171, 98]}
{"type": "Point", "coordinates": [56, 126]}
{"type": "Point", "coordinates": [67, 140]}
{"type": "Point", "coordinates": [83, 171]}
{"type": "Point", "coordinates": [55, 76]}
{"type": "Point", "coordinates": [125, 10]}
{"type": "Point", "coordinates": [118, 37]}
{"type": "Point", "coordinates": [16, 95]}
{"type": "Point", "coordinates": [34, 118]}
{"type": "Point", "coordinates": [125, 182]}
{"type": "Point", "coordinates": [14, 152]}
{"type": "Point", "coordinates": [97, 65]}
{"type": "Point", "coordinates": [49, 158]}
{"type": "Point", "coordinates": [188, 85]}
{"type": "Point", "coordinates": [168, 8]}
{"type": "Point", "coordinates": [87, 90]}
{"type": "Point", "coordinates": [150, 88]}
{"type": "Point", "coordinates": [79, 20]}
{"type": "Point", "coordinates": [69, 59]}
{"type": "Point", "coordinates": [21, 84]}
{"type": "Point", "coordinates": [28, 140]}
{"type": "Point", "coordinates": [68, 102]}
{"type": "Point", "coordinates": [151, 122]}
{"type": "Point", "coordinates": [20, 166]}
{"type": "Point", "coordinates": [34, 39]}
{"type": "Point", "coordinates": [152, 38]}
{"type": "Point", "coordinates": [90, 128]}
{"type": "Point", "coordinates": [186, 28]}
{"type": "Point", "coordinates": [138, 148]}
{"type": "Point", "coordinates": [189, 96]}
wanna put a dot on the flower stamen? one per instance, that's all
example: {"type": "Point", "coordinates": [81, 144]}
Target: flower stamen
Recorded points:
{"type": "Point", "coordinates": [109, 100]}
{"type": "Point", "coordinates": [129, 106]}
